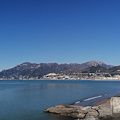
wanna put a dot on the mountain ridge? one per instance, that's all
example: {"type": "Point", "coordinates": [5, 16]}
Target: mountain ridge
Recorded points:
{"type": "Point", "coordinates": [33, 70]}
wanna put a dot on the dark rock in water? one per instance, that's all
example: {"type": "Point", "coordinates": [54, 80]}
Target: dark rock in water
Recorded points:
{"type": "Point", "coordinates": [108, 110]}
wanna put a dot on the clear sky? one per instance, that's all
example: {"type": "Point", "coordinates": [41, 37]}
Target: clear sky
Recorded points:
{"type": "Point", "coordinates": [61, 31]}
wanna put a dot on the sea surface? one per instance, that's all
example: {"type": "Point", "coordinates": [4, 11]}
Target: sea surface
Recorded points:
{"type": "Point", "coordinates": [26, 99]}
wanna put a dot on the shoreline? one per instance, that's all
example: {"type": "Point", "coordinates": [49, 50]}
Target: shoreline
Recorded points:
{"type": "Point", "coordinates": [60, 80]}
{"type": "Point", "coordinates": [98, 110]}
{"type": "Point", "coordinates": [95, 99]}
{"type": "Point", "coordinates": [105, 100]}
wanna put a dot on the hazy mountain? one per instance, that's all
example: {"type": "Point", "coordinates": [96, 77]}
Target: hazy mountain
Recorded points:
{"type": "Point", "coordinates": [94, 63]}
{"type": "Point", "coordinates": [114, 70]}
{"type": "Point", "coordinates": [29, 70]}
{"type": "Point", "coordinates": [95, 69]}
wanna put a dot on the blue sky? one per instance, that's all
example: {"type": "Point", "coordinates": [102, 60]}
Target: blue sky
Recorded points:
{"type": "Point", "coordinates": [61, 31]}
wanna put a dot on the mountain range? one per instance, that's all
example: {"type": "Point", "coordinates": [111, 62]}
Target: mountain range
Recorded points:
{"type": "Point", "coordinates": [34, 70]}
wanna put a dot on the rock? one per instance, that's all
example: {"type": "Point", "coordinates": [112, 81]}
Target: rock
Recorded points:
{"type": "Point", "coordinates": [104, 111]}
{"type": "Point", "coordinates": [86, 108]}
{"type": "Point", "coordinates": [95, 107]}
{"type": "Point", "coordinates": [60, 109]}
{"type": "Point", "coordinates": [115, 104]}
{"type": "Point", "coordinates": [91, 118]}
{"type": "Point", "coordinates": [67, 110]}
{"type": "Point", "coordinates": [60, 106]}
{"type": "Point", "coordinates": [77, 115]}
{"type": "Point", "coordinates": [93, 113]}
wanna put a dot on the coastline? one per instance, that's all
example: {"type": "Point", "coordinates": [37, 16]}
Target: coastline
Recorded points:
{"type": "Point", "coordinates": [114, 116]}
{"type": "Point", "coordinates": [65, 79]}
{"type": "Point", "coordinates": [98, 110]}
{"type": "Point", "coordinates": [105, 100]}
{"type": "Point", "coordinates": [95, 99]}
{"type": "Point", "coordinates": [52, 86]}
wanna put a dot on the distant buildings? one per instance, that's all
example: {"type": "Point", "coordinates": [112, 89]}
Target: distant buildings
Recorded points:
{"type": "Point", "coordinates": [61, 76]}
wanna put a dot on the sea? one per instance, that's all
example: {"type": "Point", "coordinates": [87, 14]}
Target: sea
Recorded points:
{"type": "Point", "coordinates": [27, 99]}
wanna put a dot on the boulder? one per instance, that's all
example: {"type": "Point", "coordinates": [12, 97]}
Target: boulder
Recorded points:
{"type": "Point", "coordinates": [115, 104]}
{"type": "Point", "coordinates": [92, 113]}
{"type": "Point", "coordinates": [67, 110]}
{"type": "Point", "coordinates": [91, 118]}
{"type": "Point", "coordinates": [104, 109]}
{"type": "Point", "coordinates": [110, 108]}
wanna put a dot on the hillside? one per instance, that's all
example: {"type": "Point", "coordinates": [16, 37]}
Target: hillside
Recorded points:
{"type": "Point", "coordinates": [36, 71]}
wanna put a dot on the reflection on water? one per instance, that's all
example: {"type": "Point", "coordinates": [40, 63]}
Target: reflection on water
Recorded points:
{"type": "Point", "coordinates": [26, 100]}
{"type": "Point", "coordinates": [53, 86]}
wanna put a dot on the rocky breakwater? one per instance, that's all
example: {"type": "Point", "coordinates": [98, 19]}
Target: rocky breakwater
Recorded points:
{"type": "Point", "coordinates": [108, 109]}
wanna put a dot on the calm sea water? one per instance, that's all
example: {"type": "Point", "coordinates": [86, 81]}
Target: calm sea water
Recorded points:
{"type": "Point", "coordinates": [26, 100]}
